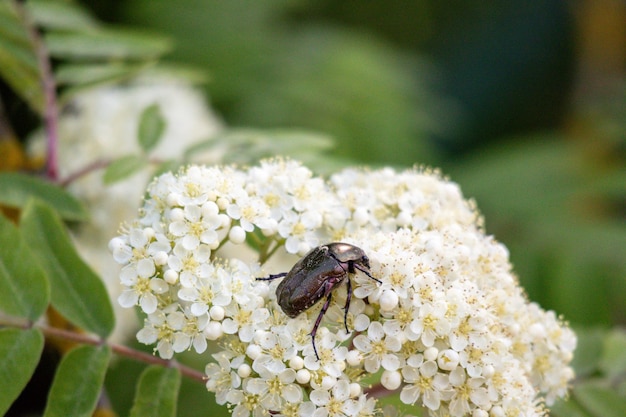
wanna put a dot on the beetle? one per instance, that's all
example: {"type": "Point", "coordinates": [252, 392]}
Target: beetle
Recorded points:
{"type": "Point", "coordinates": [315, 276]}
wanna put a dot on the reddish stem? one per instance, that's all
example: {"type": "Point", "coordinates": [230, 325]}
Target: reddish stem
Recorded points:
{"type": "Point", "coordinates": [378, 391]}
{"type": "Point", "coordinates": [53, 332]}
{"type": "Point", "coordinates": [48, 85]}
{"type": "Point", "coordinates": [94, 166]}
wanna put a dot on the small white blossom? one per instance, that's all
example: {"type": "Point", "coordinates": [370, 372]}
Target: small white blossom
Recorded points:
{"type": "Point", "coordinates": [221, 378]}
{"type": "Point", "coordinates": [275, 389]}
{"type": "Point", "coordinates": [424, 382]}
{"type": "Point", "coordinates": [336, 403]}
{"type": "Point", "coordinates": [431, 322]}
{"type": "Point", "coordinates": [378, 349]}
{"type": "Point", "coordinates": [468, 393]}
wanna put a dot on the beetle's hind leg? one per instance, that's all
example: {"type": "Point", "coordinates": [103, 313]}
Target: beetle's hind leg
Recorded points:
{"type": "Point", "coordinates": [347, 307]}
{"type": "Point", "coordinates": [271, 277]}
{"type": "Point", "coordinates": [318, 321]}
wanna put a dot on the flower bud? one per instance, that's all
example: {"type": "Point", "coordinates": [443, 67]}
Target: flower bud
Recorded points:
{"type": "Point", "coordinates": [388, 300]}
{"type": "Point", "coordinates": [391, 380]}
{"type": "Point", "coordinates": [213, 330]}
{"type": "Point", "coordinates": [244, 370]}
{"type": "Point", "coordinates": [303, 376]}
{"type": "Point", "coordinates": [237, 235]}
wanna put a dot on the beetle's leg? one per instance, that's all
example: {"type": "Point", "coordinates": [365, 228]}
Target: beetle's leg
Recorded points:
{"type": "Point", "coordinates": [347, 307]}
{"type": "Point", "coordinates": [271, 277]}
{"type": "Point", "coordinates": [366, 272]}
{"type": "Point", "coordinates": [318, 321]}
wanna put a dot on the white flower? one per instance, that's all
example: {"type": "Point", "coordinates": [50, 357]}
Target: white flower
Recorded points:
{"type": "Point", "coordinates": [249, 211]}
{"type": "Point", "coordinates": [300, 409]}
{"type": "Point", "coordinates": [275, 390]}
{"type": "Point", "coordinates": [431, 322]}
{"type": "Point", "coordinates": [221, 378]}
{"type": "Point", "coordinates": [188, 263]}
{"type": "Point", "coordinates": [189, 331]}
{"type": "Point", "coordinates": [367, 406]}
{"type": "Point", "coordinates": [425, 382]}
{"type": "Point", "coordinates": [242, 321]}
{"type": "Point", "coordinates": [300, 231]}
{"type": "Point", "coordinates": [357, 320]}
{"type": "Point", "coordinates": [210, 290]}
{"type": "Point", "coordinates": [378, 348]}
{"type": "Point", "coordinates": [158, 329]}
{"type": "Point", "coordinates": [193, 229]}
{"type": "Point", "coordinates": [336, 403]}
{"type": "Point", "coordinates": [399, 319]}
{"type": "Point", "coordinates": [141, 289]}
{"type": "Point", "coordinates": [246, 403]}
{"type": "Point", "coordinates": [298, 331]}
{"type": "Point", "coordinates": [276, 350]}
{"type": "Point", "coordinates": [331, 357]}
{"type": "Point", "coordinates": [467, 393]}
{"type": "Point", "coordinates": [474, 359]}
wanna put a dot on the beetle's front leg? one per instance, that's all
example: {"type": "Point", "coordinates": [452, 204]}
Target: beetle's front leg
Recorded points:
{"type": "Point", "coordinates": [319, 320]}
{"type": "Point", "coordinates": [271, 277]}
{"type": "Point", "coordinates": [366, 272]}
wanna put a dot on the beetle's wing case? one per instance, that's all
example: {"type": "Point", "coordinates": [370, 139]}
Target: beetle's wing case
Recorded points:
{"type": "Point", "coordinates": [308, 281]}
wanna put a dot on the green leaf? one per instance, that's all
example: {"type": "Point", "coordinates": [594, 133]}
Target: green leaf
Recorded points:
{"type": "Point", "coordinates": [568, 408]}
{"type": "Point", "coordinates": [18, 62]}
{"type": "Point", "coordinates": [588, 350]}
{"type": "Point", "coordinates": [76, 291]}
{"type": "Point", "coordinates": [16, 189]}
{"type": "Point", "coordinates": [600, 400]}
{"type": "Point", "coordinates": [245, 146]}
{"type": "Point", "coordinates": [151, 127]}
{"type": "Point", "coordinates": [20, 351]}
{"type": "Point", "coordinates": [24, 290]}
{"type": "Point", "coordinates": [11, 25]}
{"type": "Point", "coordinates": [613, 361]}
{"type": "Point", "coordinates": [157, 393]}
{"type": "Point", "coordinates": [170, 165]}
{"type": "Point", "coordinates": [193, 75]}
{"type": "Point", "coordinates": [60, 15]}
{"type": "Point", "coordinates": [123, 168]}
{"type": "Point", "coordinates": [106, 45]}
{"type": "Point", "coordinates": [94, 74]}
{"type": "Point", "coordinates": [78, 381]}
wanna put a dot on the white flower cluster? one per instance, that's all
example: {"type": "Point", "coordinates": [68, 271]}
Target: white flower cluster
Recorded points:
{"type": "Point", "coordinates": [448, 326]}
{"type": "Point", "coordinates": [101, 124]}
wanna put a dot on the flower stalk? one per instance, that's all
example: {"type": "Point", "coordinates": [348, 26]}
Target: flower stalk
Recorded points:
{"type": "Point", "coordinates": [50, 332]}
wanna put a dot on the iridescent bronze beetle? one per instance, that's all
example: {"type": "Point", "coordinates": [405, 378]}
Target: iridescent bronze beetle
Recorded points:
{"type": "Point", "coordinates": [315, 276]}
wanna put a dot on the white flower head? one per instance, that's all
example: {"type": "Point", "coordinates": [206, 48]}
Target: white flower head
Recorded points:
{"type": "Point", "coordinates": [444, 320]}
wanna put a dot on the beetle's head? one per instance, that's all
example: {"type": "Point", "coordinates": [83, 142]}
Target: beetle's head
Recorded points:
{"type": "Point", "coordinates": [364, 261]}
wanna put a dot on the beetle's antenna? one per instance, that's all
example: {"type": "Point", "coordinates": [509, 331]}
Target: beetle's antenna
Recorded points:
{"type": "Point", "coordinates": [366, 272]}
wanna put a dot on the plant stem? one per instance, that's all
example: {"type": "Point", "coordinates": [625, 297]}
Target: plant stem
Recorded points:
{"type": "Point", "coordinates": [48, 85]}
{"type": "Point", "coordinates": [82, 338]}
{"type": "Point", "coordinates": [266, 253]}
{"type": "Point", "coordinates": [378, 391]}
{"type": "Point", "coordinates": [93, 166]}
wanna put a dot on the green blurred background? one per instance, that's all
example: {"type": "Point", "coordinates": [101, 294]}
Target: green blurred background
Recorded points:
{"type": "Point", "coordinates": [521, 103]}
